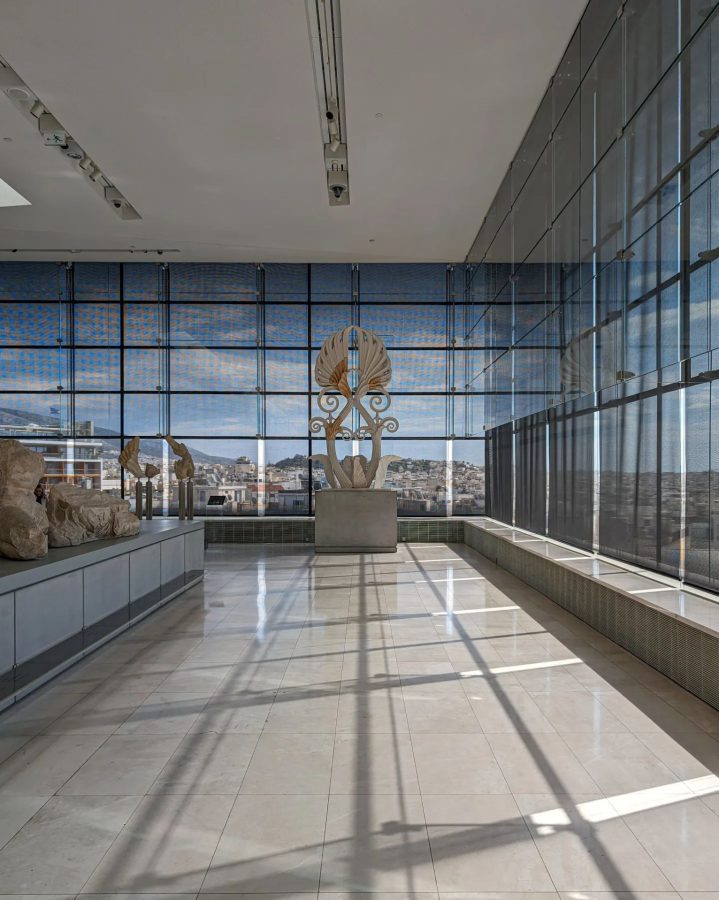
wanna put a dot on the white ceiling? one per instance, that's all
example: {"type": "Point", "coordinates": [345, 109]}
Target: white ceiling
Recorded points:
{"type": "Point", "coordinates": [203, 113]}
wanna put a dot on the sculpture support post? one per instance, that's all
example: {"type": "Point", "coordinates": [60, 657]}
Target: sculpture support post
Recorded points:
{"type": "Point", "coordinates": [190, 498]}
{"type": "Point", "coordinates": [182, 511]}
{"type": "Point", "coordinates": [139, 512]}
{"type": "Point", "coordinates": [148, 499]}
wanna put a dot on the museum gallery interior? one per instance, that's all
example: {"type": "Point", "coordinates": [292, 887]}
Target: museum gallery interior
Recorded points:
{"type": "Point", "coordinates": [359, 449]}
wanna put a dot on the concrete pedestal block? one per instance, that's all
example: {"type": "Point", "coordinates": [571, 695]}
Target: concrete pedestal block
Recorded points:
{"type": "Point", "coordinates": [356, 521]}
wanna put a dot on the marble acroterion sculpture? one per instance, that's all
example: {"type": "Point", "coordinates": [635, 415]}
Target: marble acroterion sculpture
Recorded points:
{"type": "Point", "coordinates": [78, 515]}
{"type": "Point", "coordinates": [184, 471]}
{"type": "Point", "coordinates": [23, 521]}
{"type": "Point", "coordinates": [338, 379]}
{"type": "Point", "coordinates": [74, 515]}
{"type": "Point", "coordinates": [129, 459]}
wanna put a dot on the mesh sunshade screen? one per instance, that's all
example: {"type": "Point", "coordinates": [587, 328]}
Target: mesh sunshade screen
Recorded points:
{"type": "Point", "coordinates": [97, 369]}
{"type": "Point", "coordinates": [285, 325]}
{"type": "Point", "coordinates": [142, 324]}
{"type": "Point", "coordinates": [32, 281]}
{"type": "Point", "coordinates": [38, 324]}
{"type": "Point", "coordinates": [99, 281]}
{"type": "Point", "coordinates": [39, 370]}
{"type": "Point", "coordinates": [214, 324]}
{"type": "Point", "coordinates": [286, 370]}
{"type": "Point", "coordinates": [96, 323]}
{"type": "Point", "coordinates": [411, 282]}
{"type": "Point", "coordinates": [218, 282]}
{"type": "Point", "coordinates": [406, 326]}
{"type": "Point", "coordinates": [213, 369]}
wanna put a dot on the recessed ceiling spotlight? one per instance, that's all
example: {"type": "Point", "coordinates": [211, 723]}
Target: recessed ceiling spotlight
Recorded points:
{"type": "Point", "coordinates": [21, 95]}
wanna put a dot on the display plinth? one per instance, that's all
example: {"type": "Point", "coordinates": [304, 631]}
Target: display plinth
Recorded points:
{"type": "Point", "coordinates": [355, 521]}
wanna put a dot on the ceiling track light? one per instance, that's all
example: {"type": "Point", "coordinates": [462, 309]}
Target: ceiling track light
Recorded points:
{"type": "Point", "coordinates": [325, 30]}
{"type": "Point", "coordinates": [55, 135]}
{"type": "Point", "coordinates": [102, 251]}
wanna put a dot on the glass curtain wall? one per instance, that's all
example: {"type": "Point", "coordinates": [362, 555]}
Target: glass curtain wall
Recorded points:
{"type": "Point", "coordinates": [593, 285]}
{"type": "Point", "coordinates": [222, 356]}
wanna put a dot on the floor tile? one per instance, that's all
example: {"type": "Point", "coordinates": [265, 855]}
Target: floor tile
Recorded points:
{"type": "Point", "coordinates": [482, 840]}
{"type": "Point", "coordinates": [618, 763]}
{"type": "Point", "coordinates": [304, 711]}
{"type": "Point", "coordinates": [577, 713]}
{"type": "Point", "coordinates": [374, 763]}
{"type": "Point", "coordinates": [45, 763]}
{"type": "Point", "coordinates": [540, 763]}
{"type": "Point", "coordinates": [165, 847]}
{"type": "Point", "coordinates": [362, 711]}
{"type": "Point", "coordinates": [59, 847]}
{"type": "Point", "coordinates": [680, 836]}
{"type": "Point", "coordinates": [228, 714]}
{"type": "Point", "coordinates": [270, 847]}
{"type": "Point", "coordinates": [101, 712]}
{"type": "Point", "coordinates": [457, 764]}
{"type": "Point", "coordinates": [165, 713]}
{"type": "Point", "coordinates": [206, 763]}
{"type": "Point", "coordinates": [506, 710]}
{"type": "Point", "coordinates": [125, 764]}
{"type": "Point", "coordinates": [376, 843]}
{"type": "Point", "coordinates": [290, 764]}
{"type": "Point", "coordinates": [37, 712]}
{"type": "Point", "coordinates": [15, 812]}
{"type": "Point", "coordinates": [450, 714]}
{"type": "Point", "coordinates": [585, 847]}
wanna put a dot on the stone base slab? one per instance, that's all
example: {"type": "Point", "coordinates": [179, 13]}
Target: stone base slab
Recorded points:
{"type": "Point", "coordinates": [356, 521]}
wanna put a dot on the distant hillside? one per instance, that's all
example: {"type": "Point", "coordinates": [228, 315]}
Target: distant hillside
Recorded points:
{"type": "Point", "coordinates": [150, 446]}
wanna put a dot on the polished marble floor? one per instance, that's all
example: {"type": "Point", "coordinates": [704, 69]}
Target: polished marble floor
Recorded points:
{"type": "Point", "coordinates": [411, 724]}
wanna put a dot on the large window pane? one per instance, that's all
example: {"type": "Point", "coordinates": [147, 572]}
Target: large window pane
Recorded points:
{"type": "Point", "coordinates": [226, 478]}
{"type": "Point", "coordinates": [287, 478]}
{"type": "Point", "coordinates": [468, 486]}
{"type": "Point", "coordinates": [286, 416]}
{"type": "Point", "coordinates": [27, 414]}
{"type": "Point", "coordinates": [286, 370]}
{"type": "Point", "coordinates": [97, 414]}
{"type": "Point", "coordinates": [420, 476]}
{"type": "Point", "coordinates": [218, 414]}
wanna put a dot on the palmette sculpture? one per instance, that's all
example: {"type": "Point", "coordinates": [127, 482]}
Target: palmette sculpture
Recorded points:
{"type": "Point", "coordinates": [336, 379]}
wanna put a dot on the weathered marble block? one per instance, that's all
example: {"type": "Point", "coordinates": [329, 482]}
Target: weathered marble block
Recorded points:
{"type": "Point", "coordinates": [23, 521]}
{"type": "Point", "coordinates": [78, 515]}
